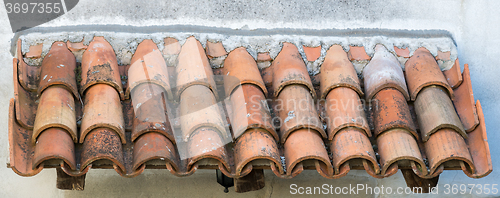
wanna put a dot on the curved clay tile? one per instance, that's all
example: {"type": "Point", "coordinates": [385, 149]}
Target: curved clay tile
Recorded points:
{"type": "Point", "coordinates": [435, 111]}
{"type": "Point", "coordinates": [446, 145]}
{"type": "Point", "coordinates": [453, 75]}
{"type": "Point", "coordinates": [306, 145]}
{"type": "Point", "coordinates": [102, 108]}
{"type": "Point", "coordinates": [350, 144]}
{"type": "Point", "coordinates": [25, 101]}
{"type": "Point", "coordinates": [479, 148]}
{"type": "Point", "coordinates": [464, 102]}
{"type": "Point", "coordinates": [148, 66]}
{"type": "Point", "coordinates": [172, 46]}
{"type": "Point", "coordinates": [255, 145]}
{"type": "Point", "coordinates": [344, 109]}
{"type": "Point", "coordinates": [198, 108]}
{"type": "Point", "coordinates": [312, 53]}
{"type": "Point", "coordinates": [249, 110]}
{"type": "Point", "coordinates": [240, 64]}
{"type": "Point", "coordinates": [357, 53]}
{"type": "Point", "coordinates": [422, 70]}
{"type": "Point", "coordinates": [102, 144]}
{"type": "Point", "coordinates": [215, 49]}
{"type": "Point", "coordinates": [204, 144]}
{"type": "Point", "coordinates": [149, 104]}
{"type": "Point", "coordinates": [54, 143]}
{"type": "Point", "coordinates": [337, 71]}
{"type": "Point", "coordinates": [99, 66]}
{"type": "Point", "coordinates": [397, 145]}
{"type": "Point", "coordinates": [58, 68]}
{"type": "Point", "coordinates": [296, 110]}
{"type": "Point", "coordinates": [193, 67]}
{"type": "Point", "coordinates": [390, 111]}
{"type": "Point", "coordinates": [289, 68]}
{"type": "Point", "coordinates": [28, 75]}
{"type": "Point", "coordinates": [56, 109]}
{"type": "Point", "coordinates": [154, 146]}
{"type": "Point", "coordinates": [20, 147]}
{"type": "Point", "coordinates": [383, 71]}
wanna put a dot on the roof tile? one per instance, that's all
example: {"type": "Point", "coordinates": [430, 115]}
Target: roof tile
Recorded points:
{"type": "Point", "coordinates": [435, 111]}
{"type": "Point", "coordinates": [76, 46]}
{"type": "Point", "coordinates": [249, 110]}
{"type": "Point", "coordinates": [289, 68]}
{"type": "Point", "coordinates": [99, 65]}
{"type": "Point", "coordinates": [479, 148]}
{"type": "Point", "coordinates": [154, 146]}
{"type": "Point", "coordinates": [102, 144]}
{"type": "Point", "coordinates": [255, 144]}
{"type": "Point", "coordinates": [35, 51]}
{"type": "Point", "coordinates": [240, 64]}
{"type": "Point", "coordinates": [206, 143]}
{"type": "Point", "coordinates": [464, 102]}
{"type": "Point", "coordinates": [382, 72]}
{"type": "Point", "coordinates": [422, 71]}
{"type": "Point", "coordinates": [58, 68]}
{"type": "Point", "coordinates": [357, 53]}
{"type": "Point", "coordinates": [102, 109]}
{"type": "Point", "coordinates": [215, 49]}
{"type": "Point", "coordinates": [352, 144]}
{"type": "Point", "coordinates": [198, 108]}
{"type": "Point", "coordinates": [54, 143]}
{"type": "Point", "coordinates": [149, 104]}
{"type": "Point", "coordinates": [56, 109]}
{"type": "Point", "coordinates": [25, 101]}
{"type": "Point", "coordinates": [338, 71]}
{"type": "Point", "coordinates": [148, 66]}
{"type": "Point", "coordinates": [344, 109]}
{"type": "Point", "coordinates": [296, 110]}
{"type": "Point", "coordinates": [193, 67]}
{"type": "Point", "coordinates": [312, 53]}
{"type": "Point", "coordinates": [453, 75]}
{"type": "Point", "coordinates": [403, 52]}
{"type": "Point", "coordinates": [398, 145]}
{"type": "Point", "coordinates": [391, 111]}
{"type": "Point", "coordinates": [172, 46]}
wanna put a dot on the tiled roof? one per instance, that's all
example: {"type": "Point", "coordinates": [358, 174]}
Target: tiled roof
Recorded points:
{"type": "Point", "coordinates": [169, 109]}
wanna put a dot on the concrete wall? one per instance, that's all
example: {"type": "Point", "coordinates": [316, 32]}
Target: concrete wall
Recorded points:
{"type": "Point", "coordinates": [473, 24]}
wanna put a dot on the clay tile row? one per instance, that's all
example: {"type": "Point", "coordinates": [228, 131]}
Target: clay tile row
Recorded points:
{"type": "Point", "coordinates": [127, 125]}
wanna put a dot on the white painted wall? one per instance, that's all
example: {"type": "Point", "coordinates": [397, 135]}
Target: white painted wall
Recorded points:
{"type": "Point", "coordinates": [473, 24]}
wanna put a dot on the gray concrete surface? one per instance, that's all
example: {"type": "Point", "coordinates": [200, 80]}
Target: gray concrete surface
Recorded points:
{"type": "Point", "coordinates": [473, 24]}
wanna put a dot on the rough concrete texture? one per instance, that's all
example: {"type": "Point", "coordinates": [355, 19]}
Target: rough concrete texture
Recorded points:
{"type": "Point", "coordinates": [473, 25]}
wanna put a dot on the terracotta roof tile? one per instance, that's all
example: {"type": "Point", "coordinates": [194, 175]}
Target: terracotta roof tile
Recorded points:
{"type": "Point", "coordinates": [296, 110]}
{"type": "Point", "coordinates": [99, 66]}
{"type": "Point", "coordinates": [148, 66]}
{"type": "Point", "coordinates": [215, 49]}
{"type": "Point", "coordinates": [35, 51]}
{"type": "Point", "coordinates": [398, 145]}
{"type": "Point", "coordinates": [422, 71]}
{"type": "Point", "coordinates": [54, 143]}
{"type": "Point", "coordinates": [435, 111]}
{"type": "Point", "coordinates": [56, 109]}
{"type": "Point", "coordinates": [344, 109]}
{"type": "Point", "coordinates": [453, 75]}
{"type": "Point", "coordinates": [149, 104]}
{"type": "Point", "coordinates": [382, 72]}
{"type": "Point", "coordinates": [391, 111]}
{"type": "Point", "coordinates": [237, 133]}
{"type": "Point", "coordinates": [255, 144]}
{"type": "Point", "coordinates": [172, 46]}
{"type": "Point", "coordinates": [338, 71]}
{"type": "Point", "coordinates": [58, 68]}
{"type": "Point", "coordinates": [403, 52]}
{"type": "Point", "coordinates": [76, 46]}
{"type": "Point", "coordinates": [102, 109]}
{"type": "Point", "coordinates": [249, 110]}
{"type": "Point", "coordinates": [357, 53]}
{"type": "Point", "coordinates": [193, 67]}
{"type": "Point", "coordinates": [312, 53]}
{"type": "Point", "coordinates": [289, 68]}
{"type": "Point", "coordinates": [263, 57]}
{"type": "Point", "coordinates": [351, 144]}
{"type": "Point", "coordinates": [305, 145]}
{"type": "Point", "coordinates": [240, 64]}
{"type": "Point", "coordinates": [198, 109]}
{"type": "Point", "coordinates": [464, 102]}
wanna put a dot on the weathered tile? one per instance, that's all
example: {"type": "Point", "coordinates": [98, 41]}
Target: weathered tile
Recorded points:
{"type": "Point", "coordinates": [453, 75]}
{"type": "Point", "coordinates": [397, 145]}
{"type": "Point", "coordinates": [54, 144]}
{"type": "Point", "coordinates": [422, 70]}
{"type": "Point", "coordinates": [240, 68]}
{"type": "Point", "coordinates": [464, 102]}
{"type": "Point", "coordinates": [390, 111]}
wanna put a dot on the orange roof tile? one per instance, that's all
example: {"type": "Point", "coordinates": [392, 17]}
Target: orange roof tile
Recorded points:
{"type": "Point", "coordinates": [230, 122]}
